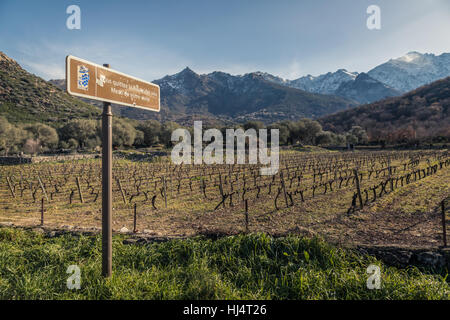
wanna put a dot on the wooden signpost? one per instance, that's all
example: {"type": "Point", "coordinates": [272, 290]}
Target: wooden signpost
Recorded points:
{"type": "Point", "coordinates": [89, 80]}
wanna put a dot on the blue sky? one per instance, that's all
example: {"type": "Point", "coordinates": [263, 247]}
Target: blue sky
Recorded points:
{"type": "Point", "coordinates": [288, 38]}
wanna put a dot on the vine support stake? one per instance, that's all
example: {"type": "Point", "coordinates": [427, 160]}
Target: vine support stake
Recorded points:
{"type": "Point", "coordinates": [121, 191]}
{"type": "Point", "coordinates": [135, 219]}
{"type": "Point", "coordinates": [43, 189]}
{"type": "Point", "coordinates": [444, 227]}
{"type": "Point", "coordinates": [10, 187]}
{"type": "Point", "coordinates": [358, 188]}
{"type": "Point", "coordinates": [165, 190]}
{"type": "Point", "coordinates": [42, 211]}
{"type": "Point", "coordinates": [80, 193]}
{"type": "Point", "coordinates": [246, 216]}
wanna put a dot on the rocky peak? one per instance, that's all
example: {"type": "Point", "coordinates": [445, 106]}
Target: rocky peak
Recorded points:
{"type": "Point", "coordinates": [4, 57]}
{"type": "Point", "coordinates": [412, 70]}
{"type": "Point", "coordinates": [187, 70]}
{"type": "Point", "coordinates": [7, 62]}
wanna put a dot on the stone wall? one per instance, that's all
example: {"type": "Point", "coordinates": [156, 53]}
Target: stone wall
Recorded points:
{"type": "Point", "coordinates": [48, 158]}
{"type": "Point", "coordinates": [403, 257]}
{"type": "Point", "coordinates": [13, 160]}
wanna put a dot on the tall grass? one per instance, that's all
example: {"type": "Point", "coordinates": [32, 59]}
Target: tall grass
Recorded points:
{"type": "Point", "coordinates": [239, 267]}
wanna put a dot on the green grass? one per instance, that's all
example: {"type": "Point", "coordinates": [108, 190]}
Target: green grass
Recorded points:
{"type": "Point", "coordinates": [240, 267]}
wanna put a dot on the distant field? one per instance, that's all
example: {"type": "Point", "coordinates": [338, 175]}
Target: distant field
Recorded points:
{"type": "Point", "coordinates": [311, 195]}
{"type": "Point", "coordinates": [238, 267]}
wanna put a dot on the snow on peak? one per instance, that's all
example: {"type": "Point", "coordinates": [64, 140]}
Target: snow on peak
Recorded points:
{"type": "Point", "coordinates": [410, 56]}
{"type": "Point", "coordinates": [412, 70]}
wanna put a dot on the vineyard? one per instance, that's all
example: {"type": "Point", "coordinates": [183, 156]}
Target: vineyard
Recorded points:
{"type": "Point", "coordinates": [365, 197]}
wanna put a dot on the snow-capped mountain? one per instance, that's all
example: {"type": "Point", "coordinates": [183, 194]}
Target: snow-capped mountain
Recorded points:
{"type": "Point", "coordinates": [260, 95]}
{"type": "Point", "coordinates": [351, 85]}
{"type": "Point", "coordinates": [412, 70]}
{"type": "Point", "coordinates": [325, 83]}
{"type": "Point", "coordinates": [182, 82]}
{"type": "Point", "coordinates": [398, 75]}
{"type": "Point", "coordinates": [255, 95]}
{"type": "Point", "coordinates": [365, 89]}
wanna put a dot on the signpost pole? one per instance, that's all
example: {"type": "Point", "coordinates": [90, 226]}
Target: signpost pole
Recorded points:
{"type": "Point", "coordinates": [88, 80]}
{"type": "Point", "coordinates": [106, 189]}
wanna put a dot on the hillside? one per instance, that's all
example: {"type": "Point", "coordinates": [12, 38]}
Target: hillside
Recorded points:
{"type": "Point", "coordinates": [25, 97]}
{"type": "Point", "coordinates": [421, 113]}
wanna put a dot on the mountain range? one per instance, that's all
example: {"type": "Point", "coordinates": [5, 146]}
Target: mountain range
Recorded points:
{"type": "Point", "coordinates": [187, 95]}
{"type": "Point", "coordinates": [423, 112]}
{"type": "Point", "coordinates": [250, 96]}
{"type": "Point", "coordinates": [223, 97]}
{"type": "Point", "coordinates": [260, 95]}
{"type": "Point", "coordinates": [266, 97]}
{"type": "Point", "coordinates": [392, 78]}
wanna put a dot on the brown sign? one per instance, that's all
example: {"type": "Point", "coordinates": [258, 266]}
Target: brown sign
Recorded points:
{"type": "Point", "coordinates": [89, 80]}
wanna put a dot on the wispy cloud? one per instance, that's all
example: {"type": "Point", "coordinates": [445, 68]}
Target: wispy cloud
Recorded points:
{"type": "Point", "coordinates": [47, 59]}
{"type": "Point", "coordinates": [292, 71]}
{"type": "Point", "coordinates": [45, 70]}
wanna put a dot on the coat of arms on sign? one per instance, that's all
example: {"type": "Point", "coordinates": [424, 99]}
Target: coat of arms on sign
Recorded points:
{"type": "Point", "coordinates": [83, 78]}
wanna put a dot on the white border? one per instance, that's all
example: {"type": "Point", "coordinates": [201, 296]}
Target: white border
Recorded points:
{"type": "Point", "coordinates": [107, 100]}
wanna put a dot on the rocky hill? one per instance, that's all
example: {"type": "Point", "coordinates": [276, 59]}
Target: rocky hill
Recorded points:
{"type": "Point", "coordinates": [25, 97]}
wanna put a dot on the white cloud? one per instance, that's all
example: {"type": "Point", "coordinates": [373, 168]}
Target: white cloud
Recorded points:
{"type": "Point", "coordinates": [292, 71]}
{"type": "Point", "coordinates": [45, 70]}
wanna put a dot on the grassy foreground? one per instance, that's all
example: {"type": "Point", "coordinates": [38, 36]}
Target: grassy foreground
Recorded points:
{"type": "Point", "coordinates": [240, 267]}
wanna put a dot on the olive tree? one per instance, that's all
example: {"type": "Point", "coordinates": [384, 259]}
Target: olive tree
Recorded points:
{"type": "Point", "coordinates": [46, 135]}
{"type": "Point", "coordinates": [152, 131]}
{"type": "Point", "coordinates": [85, 132]}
